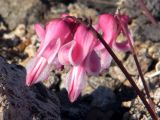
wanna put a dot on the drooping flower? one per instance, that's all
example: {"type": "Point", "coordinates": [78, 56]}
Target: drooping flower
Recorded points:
{"type": "Point", "coordinates": [81, 55]}
{"type": "Point", "coordinates": [110, 26]}
{"type": "Point", "coordinates": [65, 42]}
{"type": "Point", "coordinates": [56, 33]}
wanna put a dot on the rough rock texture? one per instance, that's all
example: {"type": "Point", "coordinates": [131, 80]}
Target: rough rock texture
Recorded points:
{"type": "Point", "coordinates": [8, 51]}
{"type": "Point", "coordinates": [131, 5]}
{"type": "Point", "coordinates": [101, 104]}
{"type": "Point", "coordinates": [14, 12]}
{"type": "Point", "coordinates": [141, 25]}
{"type": "Point", "coordinates": [19, 102]}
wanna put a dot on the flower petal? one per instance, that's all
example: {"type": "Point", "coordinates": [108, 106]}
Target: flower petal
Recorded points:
{"type": "Point", "coordinates": [123, 46]}
{"type": "Point", "coordinates": [52, 50]}
{"type": "Point", "coordinates": [30, 64]}
{"type": "Point", "coordinates": [105, 58]}
{"type": "Point", "coordinates": [75, 82]}
{"type": "Point", "coordinates": [57, 29]}
{"type": "Point", "coordinates": [56, 64]}
{"type": "Point", "coordinates": [84, 44]}
{"type": "Point", "coordinates": [33, 74]}
{"type": "Point", "coordinates": [54, 30]}
{"type": "Point", "coordinates": [44, 73]}
{"type": "Point", "coordinates": [63, 53]}
{"type": "Point", "coordinates": [108, 24]}
{"type": "Point", "coordinates": [76, 55]}
{"type": "Point", "coordinates": [40, 32]}
{"type": "Point", "coordinates": [92, 64]}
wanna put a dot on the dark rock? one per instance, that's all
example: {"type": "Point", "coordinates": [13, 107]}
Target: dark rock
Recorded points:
{"type": "Point", "coordinates": [9, 52]}
{"type": "Point", "coordinates": [15, 12]}
{"type": "Point", "coordinates": [125, 93]}
{"type": "Point", "coordinates": [101, 104]}
{"type": "Point", "coordinates": [19, 102]}
{"type": "Point", "coordinates": [102, 97]}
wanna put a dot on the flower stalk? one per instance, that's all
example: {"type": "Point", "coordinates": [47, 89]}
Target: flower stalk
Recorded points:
{"type": "Point", "coordinates": [127, 34]}
{"type": "Point", "coordinates": [147, 12]}
{"type": "Point", "coordinates": [119, 63]}
{"type": "Point", "coordinates": [71, 41]}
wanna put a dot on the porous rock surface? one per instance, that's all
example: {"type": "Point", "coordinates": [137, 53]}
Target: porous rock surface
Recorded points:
{"type": "Point", "coordinates": [19, 102]}
{"type": "Point", "coordinates": [15, 12]}
{"type": "Point", "coordinates": [141, 26]}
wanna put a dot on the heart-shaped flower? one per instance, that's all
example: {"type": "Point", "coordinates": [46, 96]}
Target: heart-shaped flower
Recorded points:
{"type": "Point", "coordinates": [55, 34]}
{"type": "Point", "coordinates": [81, 55]}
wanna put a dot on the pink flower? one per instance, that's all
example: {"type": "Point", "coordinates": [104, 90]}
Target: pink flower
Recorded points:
{"type": "Point", "coordinates": [110, 27]}
{"type": "Point", "coordinates": [80, 53]}
{"type": "Point", "coordinates": [67, 41]}
{"type": "Point", "coordinates": [52, 37]}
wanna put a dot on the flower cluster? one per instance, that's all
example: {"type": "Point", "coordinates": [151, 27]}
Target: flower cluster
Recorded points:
{"type": "Point", "coordinates": [69, 41]}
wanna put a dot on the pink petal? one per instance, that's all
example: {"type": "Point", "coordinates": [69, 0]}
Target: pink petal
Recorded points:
{"type": "Point", "coordinates": [30, 64]}
{"type": "Point", "coordinates": [92, 64]}
{"type": "Point", "coordinates": [108, 24]}
{"type": "Point", "coordinates": [99, 46]}
{"type": "Point", "coordinates": [84, 44]}
{"type": "Point", "coordinates": [123, 46]}
{"type": "Point", "coordinates": [50, 37]}
{"type": "Point", "coordinates": [33, 74]}
{"type": "Point", "coordinates": [76, 55]}
{"type": "Point", "coordinates": [105, 58]}
{"type": "Point", "coordinates": [56, 64]}
{"type": "Point", "coordinates": [124, 19]}
{"type": "Point", "coordinates": [75, 82]}
{"type": "Point", "coordinates": [56, 29]}
{"type": "Point", "coordinates": [63, 53]}
{"type": "Point", "coordinates": [123, 26]}
{"type": "Point", "coordinates": [44, 73]}
{"type": "Point", "coordinates": [52, 50]}
{"type": "Point", "coordinates": [40, 32]}
{"type": "Point", "coordinates": [51, 31]}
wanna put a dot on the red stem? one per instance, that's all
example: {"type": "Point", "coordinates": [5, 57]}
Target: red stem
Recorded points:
{"type": "Point", "coordinates": [119, 63]}
{"type": "Point", "coordinates": [128, 35]}
{"type": "Point", "coordinates": [146, 12]}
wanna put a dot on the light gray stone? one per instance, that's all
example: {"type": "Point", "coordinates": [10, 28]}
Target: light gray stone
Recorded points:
{"type": "Point", "coordinates": [15, 12]}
